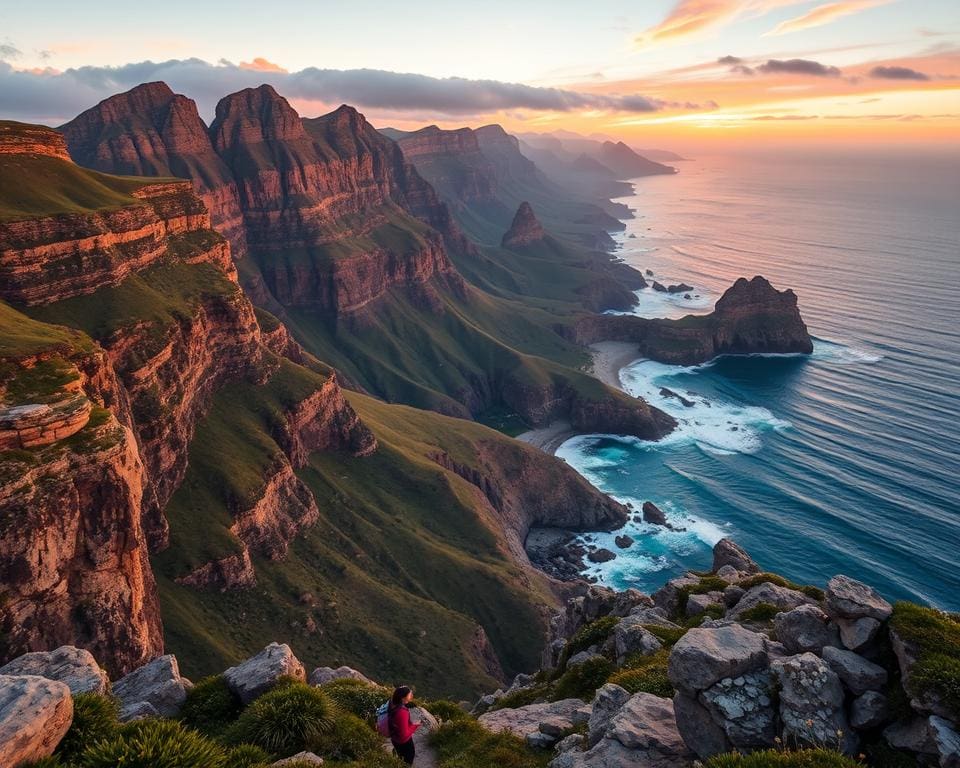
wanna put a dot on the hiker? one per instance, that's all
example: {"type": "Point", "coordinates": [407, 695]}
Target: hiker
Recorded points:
{"type": "Point", "coordinates": [401, 729]}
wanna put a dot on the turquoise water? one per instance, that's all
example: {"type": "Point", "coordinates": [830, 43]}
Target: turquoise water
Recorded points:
{"type": "Point", "coordinates": [844, 462]}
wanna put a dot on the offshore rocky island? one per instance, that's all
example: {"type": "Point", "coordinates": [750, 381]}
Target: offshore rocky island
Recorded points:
{"type": "Point", "coordinates": [234, 356]}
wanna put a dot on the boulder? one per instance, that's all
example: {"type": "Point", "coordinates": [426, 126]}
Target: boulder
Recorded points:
{"type": "Point", "coordinates": [857, 634]}
{"type": "Point", "coordinates": [157, 683]}
{"type": "Point", "coordinates": [780, 597]}
{"type": "Point", "coordinates": [629, 637]}
{"type": "Point", "coordinates": [667, 598]}
{"type": "Point", "coordinates": [74, 666]}
{"type": "Point", "coordinates": [601, 555]}
{"type": "Point", "coordinates": [653, 514]}
{"type": "Point", "coordinates": [606, 703]}
{"type": "Point", "coordinates": [697, 604]}
{"type": "Point", "coordinates": [523, 720]}
{"type": "Point", "coordinates": [658, 286]}
{"type": "Point", "coordinates": [848, 598]}
{"type": "Point", "coordinates": [729, 574]}
{"type": "Point", "coordinates": [732, 595]}
{"type": "Point", "coordinates": [699, 730]}
{"type": "Point", "coordinates": [583, 657]}
{"type": "Point", "coordinates": [742, 706]}
{"type": "Point", "coordinates": [912, 735]}
{"type": "Point", "coordinates": [728, 552]}
{"type": "Point", "coordinates": [858, 674]}
{"type": "Point", "coordinates": [624, 542]}
{"type": "Point", "coordinates": [946, 740]}
{"type": "Point", "coordinates": [869, 710]}
{"type": "Point", "coordinates": [308, 758]}
{"type": "Point", "coordinates": [811, 703]}
{"type": "Point", "coordinates": [540, 740]}
{"type": "Point", "coordinates": [35, 714]}
{"type": "Point", "coordinates": [805, 628]}
{"type": "Point", "coordinates": [324, 675]}
{"type": "Point", "coordinates": [647, 722]}
{"type": "Point", "coordinates": [655, 616]}
{"type": "Point", "coordinates": [679, 288]}
{"type": "Point", "coordinates": [260, 673]}
{"type": "Point", "coordinates": [704, 656]}
{"type": "Point", "coordinates": [140, 710]}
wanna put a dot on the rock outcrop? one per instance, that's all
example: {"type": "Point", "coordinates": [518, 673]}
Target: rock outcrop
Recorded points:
{"type": "Point", "coordinates": [35, 713]}
{"type": "Point", "coordinates": [154, 689]}
{"type": "Point", "coordinates": [524, 230]}
{"type": "Point", "coordinates": [75, 667]}
{"type": "Point", "coordinates": [259, 674]}
{"type": "Point", "coordinates": [627, 164]}
{"type": "Point", "coordinates": [751, 317]}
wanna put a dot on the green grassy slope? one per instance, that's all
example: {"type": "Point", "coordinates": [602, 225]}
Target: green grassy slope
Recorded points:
{"type": "Point", "coordinates": [396, 576]}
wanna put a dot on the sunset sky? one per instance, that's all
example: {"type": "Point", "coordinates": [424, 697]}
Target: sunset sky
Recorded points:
{"type": "Point", "coordinates": [675, 74]}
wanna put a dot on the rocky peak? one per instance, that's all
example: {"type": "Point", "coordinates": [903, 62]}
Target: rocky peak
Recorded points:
{"type": "Point", "coordinates": [254, 115]}
{"type": "Point", "coordinates": [756, 295]}
{"type": "Point", "coordinates": [21, 138]}
{"type": "Point", "coordinates": [495, 134]}
{"type": "Point", "coordinates": [525, 228]}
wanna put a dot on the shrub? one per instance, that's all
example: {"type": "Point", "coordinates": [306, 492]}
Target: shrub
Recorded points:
{"type": "Point", "coordinates": [760, 612]}
{"type": "Point", "coordinates": [647, 674]}
{"type": "Point", "coordinates": [706, 584]}
{"type": "Point", "coordinates": [666, 635]}
{"type": "Point", "coordinates": [804, 758]}
{"type": "Point", "coordinates": [712, 611]}
{"type": "Point", "coordinates": [349, 738]}
{"type": "Point", "coordinates": [466, 744]}
{"type": "Point", "coordinates": [247, 756]}
{"type": "Point", "coordinates": [523, 697]}
{"type": "Point", "coordinates": [94, 719]}
{"type": "Point", "coordinates": [211, 706]}
{"type": "Point", "coordinates": [582, 681]}
{"type": "Point", "coordinates": [155, 744]}
{"type": "Point", "coordinates": [936, 637]}
{"type": "Point", "coordinates": [445, 710]}
{"type": "Point", "coordinates": [356, 696]}
{"type": "Point", "coordinates": [44, 762]}
{"type": "Point", "coordinates": [283, 720]}
{"type": "Point", "coordinates": [761, 578]}
{"type": "Point", "coordinates": [592, 634]}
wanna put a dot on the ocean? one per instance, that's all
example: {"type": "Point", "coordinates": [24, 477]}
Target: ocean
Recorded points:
{"type": "Point", "coordinates": [847, 461]}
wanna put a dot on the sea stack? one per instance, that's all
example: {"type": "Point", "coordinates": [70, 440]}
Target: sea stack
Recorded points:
{"type": "Point", "coordinates": [526, 229]}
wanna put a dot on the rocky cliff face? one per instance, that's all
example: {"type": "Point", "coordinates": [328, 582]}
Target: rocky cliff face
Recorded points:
{"type": "Point", "coordinates": [626, 163]}
{"type": "Point", "coordinates": [751, 317]}
{"type": "Point", "coordinates": [524, 230]}
{"type": "Point", "coordinates": [472, 178]}
{"type": "Point", "coordinates": [151, 131]}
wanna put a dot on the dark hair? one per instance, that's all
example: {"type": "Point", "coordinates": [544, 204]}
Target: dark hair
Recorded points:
{"type": "Point", "coordinates": [399, 694]}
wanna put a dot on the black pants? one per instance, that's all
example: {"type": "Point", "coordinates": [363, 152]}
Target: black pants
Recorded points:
{"type": "Point", "coordinates": [406, 752]}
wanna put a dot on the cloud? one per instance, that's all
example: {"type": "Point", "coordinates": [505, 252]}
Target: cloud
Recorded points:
{"type": "Point", "coordinates": [260, 64]}
{"type": "Point", "coordinates": [824, 14]}
{"type": "Point", "coordinates": [53, 97]}
{"type": "Point", "coordinates": [729, 60]}
{"type": "Point", "coordinates": [798, 67]}
{"type": "Point", "coordinates": [691, 18]}
{"type": "Point", "coordinates": [9, 51]}
{"type": "Point", "coordinates": [786, 117]}
{"type": "Point", "coordinates": [897, 73]}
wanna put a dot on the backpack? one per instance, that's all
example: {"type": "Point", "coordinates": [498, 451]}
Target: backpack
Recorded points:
{"type": "Point", "coordinates": [383, 719]}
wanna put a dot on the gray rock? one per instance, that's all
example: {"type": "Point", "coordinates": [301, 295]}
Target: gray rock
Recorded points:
{"type": "Point", "coordinates": [538, 740]}
{"type": "Point", "coordinates": [607, 701]}
{"type": "Point", "coordinates": [699, 730]}
{"type": "Point", "coordinates": [779, 597]}
{"type": "Point", "coordinates": [601, 555]}
{"type": "Point", "coordinates": [301, 757]}
{"type": "Point", "coordinates": [655, 616]}
{"type": "Point", "coordinates": [811, 703]}
{"type": "Point", "coordinates": [728, 552]}
{"type": "Point", "coordinates": [629, 637]}
{"type": "Point", "coordinates": [653, 514]}
{"type": "Point", "coordinates": [848, 598]}
{"type": "Point", "coordinates": [623, 542]}
{"type": "Point", "coordinates": [583, 657]}
{"type": "Point", "coordinates": [74, 666]}
{"type": "Point", "coordinates": [697, 604]}
{"type": "Point", "coordinates": [946, 740]}
{"type": "Point", "coordinates": [729, 574]}
{"type": "Point", "coordinates": [667, 598]}
{"type": "Point", "coordinates": [157, 683]}
{"type": "Point", "coordinates": [869, 710]}
{"type": "Point", "coordinates": [324, 675]}
{"type": "Point", "coordinates": [573, 741]}
{"type": "Point", "coordinates": [523, 720]}
{"type": "Point", "coordinates": [732, 595]}
{"type": "Point", "coordinates": [858, 674]}
{"type": "Point", "coordinates": [35, 713]}
{"type": "Point", "coordinates": [260, 673]}
{"type": "Point", "coordinates": [912, 735]}
{"type": "Point", "coordinates": [805, 628]}
{"type": "Point", "coordinates": [704, 656]}
{"type": "Point", "coordinates": [857, 634]}
{"type": "Point", "coordinates": [743, 707]}
{"type": "Point", "coordinates": [647, 722]}
{"type": "Point", "coordinates": [486, 701]}
{"type": "Point", "coordinates": [927, 701]}
{"type": "Point", "coordinates": [521, 681]}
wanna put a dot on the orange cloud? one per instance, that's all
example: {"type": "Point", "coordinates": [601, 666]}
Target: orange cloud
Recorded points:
{"type": "Point", "coordinates": [824, 14]}
{"type": "Point", "coordinates": [260, 64]}
{"type": "Point", "coordinates": [689, 18]}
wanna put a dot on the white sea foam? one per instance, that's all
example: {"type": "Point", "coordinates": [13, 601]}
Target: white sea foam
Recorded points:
{"type": "Point", "coordinates": [843, 354]}
{"type": "Point", "coordinates": [714, 425]}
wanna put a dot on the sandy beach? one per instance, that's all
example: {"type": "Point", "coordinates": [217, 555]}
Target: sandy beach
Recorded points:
{"type": "Point", "coordinates": [608, 358]}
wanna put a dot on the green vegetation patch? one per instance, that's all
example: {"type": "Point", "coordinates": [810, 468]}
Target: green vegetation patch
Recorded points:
{"type": "Point", "coordinates": [760, 612]}
{"type": "Point", "coordinates": [936, 637]}
{"type": "Point", "coordinates": [762, 578]}
{"type": "Point", "coordinates": [22, 336]}
{"type": "Point", "coordinates": [466, 744]}
{"type": "Point", "coordinates": [705, 585]}
{"type": "Point", "coordinates": [769, 758]}
{"type": "Point", "coordinates": [645, 673]}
